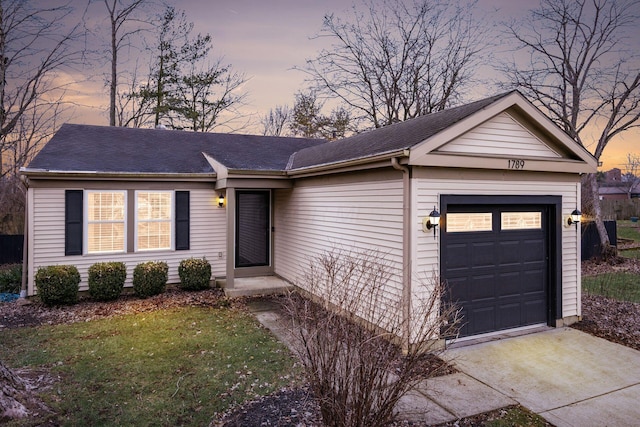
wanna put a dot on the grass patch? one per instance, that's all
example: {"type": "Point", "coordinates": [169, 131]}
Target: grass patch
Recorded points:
{"type": "Point", "coordinates": [621, 286]}
{"type": "Point", "coordinates": [630, 253]}
{"type": "Point", "coordinates": [517, 416]}
{"type": "Point", "coordinates": [628, 230]}
{"type": "Point", "coordinates": [167, 367]}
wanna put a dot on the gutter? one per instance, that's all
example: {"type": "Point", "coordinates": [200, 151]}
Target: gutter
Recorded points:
{"type": "Point", "coordinates": [49, 174]}
{"type": "Point", "coordinates": [348, 163]}
{"type": "Point", "coordinates": [406, 249]}
{"type": "Point", "coordinates": [25, 241]}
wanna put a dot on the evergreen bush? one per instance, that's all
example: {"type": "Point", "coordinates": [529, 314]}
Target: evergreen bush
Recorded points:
{"type": "Point", "coordinates": [58, 284]}
{"type": "Point", "coordinates": [106, 280]}
{"type": "Point", "coordinates": [195, 274]}
{"type": "Point", "coordinates": [150, 278]}
{"type": "Point", "coordinates": [11, 279]}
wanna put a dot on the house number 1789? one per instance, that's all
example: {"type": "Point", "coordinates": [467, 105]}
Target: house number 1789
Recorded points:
{"type": "Point", "coordinates": [516, 164]}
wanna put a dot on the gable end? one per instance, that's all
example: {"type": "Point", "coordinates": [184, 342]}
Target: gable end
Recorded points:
{"type": "Point", "coordinates": [501, 136]}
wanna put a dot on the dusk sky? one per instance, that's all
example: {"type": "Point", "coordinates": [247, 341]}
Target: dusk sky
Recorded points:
{"type": "Point", "coordinates": [266, 39]}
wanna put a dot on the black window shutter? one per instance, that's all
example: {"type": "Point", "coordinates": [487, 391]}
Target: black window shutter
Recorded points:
{"type": "Point", "coordinates": [182, 220]}
{"type": "Point", "coordinates": [73, 222]}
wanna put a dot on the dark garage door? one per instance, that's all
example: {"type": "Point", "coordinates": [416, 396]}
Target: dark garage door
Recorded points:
{"type": "Point", "coordinates": [495, 260]}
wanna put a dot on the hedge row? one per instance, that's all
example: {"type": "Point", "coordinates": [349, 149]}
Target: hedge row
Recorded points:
{"type": "Point", "coordinates": [59, 284]}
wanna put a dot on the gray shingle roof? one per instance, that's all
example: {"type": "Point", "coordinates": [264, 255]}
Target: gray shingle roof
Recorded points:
{"type": "Point", "coordinates": [87, 148]}
{"type": "Point", "coordinates": [395, 137]}
{"type": "Point", "coordinates": [80, 148]}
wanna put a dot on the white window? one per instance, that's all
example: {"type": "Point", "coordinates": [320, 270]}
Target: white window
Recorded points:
{"type": "Point", "coordinates": [466, 222]}
{"type": "Point", "coordinates": [106, 229]}
{"type": "Point", "coordinates": [154, 219]}
{"type": "Point", "coordinates": [521, 220]}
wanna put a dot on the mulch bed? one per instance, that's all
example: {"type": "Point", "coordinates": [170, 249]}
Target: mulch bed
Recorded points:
{"type": "Point", "coordinates": [16, 315]}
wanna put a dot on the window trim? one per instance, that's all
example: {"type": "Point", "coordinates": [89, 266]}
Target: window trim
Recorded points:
{"type": "Point", "coordinates": [86, 222]}
{"type": "Point", "coordinates": [171, 221]}
{"type": "Point", "coordinates": [523, 228]}
{"type": "Point", "coordinates": [449, 216]}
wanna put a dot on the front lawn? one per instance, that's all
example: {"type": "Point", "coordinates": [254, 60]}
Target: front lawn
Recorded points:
{"type": "Point", "coordinates": [176, 366]}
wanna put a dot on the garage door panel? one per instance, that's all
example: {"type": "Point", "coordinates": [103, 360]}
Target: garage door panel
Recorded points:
{"type": "Point", "coordinates": [509, 315]}
{"type": "Point", "coordinates": [457, 290]}
{"type": "Point", "coordinates": [500, 278]}
{"type": "Point", "coordinates": [510, 252]}
{"type": "Point", "coordinates": [482, 254]}
{"type": "Point", "coordinates": [533, 282]}
{"type": "Point", "coordinates": [456, 256]}
{"type": "Point", "coordinates": [481, 320]}
{"type": "Point", "coordinates": [533, 312]}
{"type": "Point", "coordinates": [533, 250]}
{"type": "Point", "coordinates": [509, 285]}
{"type": "Point", "coordinates": [482, 288]}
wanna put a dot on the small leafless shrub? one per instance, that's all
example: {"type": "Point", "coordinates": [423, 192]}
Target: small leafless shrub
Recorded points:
{"type": "Point", "coordinates": [360, 350]}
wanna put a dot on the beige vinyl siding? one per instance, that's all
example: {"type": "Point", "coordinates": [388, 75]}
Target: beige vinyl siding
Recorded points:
{"type": "Point", "coordinates": [319, 215]}
{"type": "Point", "coordinates": [207, 237]}
{"type": "Point", "coordinates": [503, 136]}
{"type": "Point", "coordinates": [425, 249]}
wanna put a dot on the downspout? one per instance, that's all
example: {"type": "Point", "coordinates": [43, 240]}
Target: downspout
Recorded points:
{"type": "Point", "coordinates": [406, 250]}
{"type": "Point", "coordinates": [25, 242]}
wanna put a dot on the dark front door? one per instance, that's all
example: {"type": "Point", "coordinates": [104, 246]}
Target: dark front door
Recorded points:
{"type": "Point", "coordinates": [253, 220]}
{"type": "Point", "coordinates": [495, 260]}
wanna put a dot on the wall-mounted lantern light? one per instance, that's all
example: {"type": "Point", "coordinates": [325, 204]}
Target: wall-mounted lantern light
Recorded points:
{"type": "Point", "coordinates": [221, 200]}
{"type": "Point", "coordinates": [575, 218]}
{"type": "Point", "coordinates": [432, 221]}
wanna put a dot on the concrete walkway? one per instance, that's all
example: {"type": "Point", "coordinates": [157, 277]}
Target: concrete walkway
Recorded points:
{"type": "Point", "coordinates": [568, 377]}
{"type": "Point", "coordinates": [253, 286]}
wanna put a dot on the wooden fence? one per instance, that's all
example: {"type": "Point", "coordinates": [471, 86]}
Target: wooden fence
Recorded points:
{"type": "Point", "coordinates": [620, 209]}
{"type": "Point", "coordinates": [11, 248]}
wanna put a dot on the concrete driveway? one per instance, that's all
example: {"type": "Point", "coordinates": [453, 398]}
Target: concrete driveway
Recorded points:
{"type": "Point", "coordinates": [569, 377]}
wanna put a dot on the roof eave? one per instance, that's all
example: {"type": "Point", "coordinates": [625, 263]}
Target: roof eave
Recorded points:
{"type": "Point", "coordinates": [72, 175]}
{"type": "Point", "coordinates": [271, 173]}
{"type": "Point", "coordinates": [352, 164]}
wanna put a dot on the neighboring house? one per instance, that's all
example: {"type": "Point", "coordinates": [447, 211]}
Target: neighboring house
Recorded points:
{"type": "Point", "coordinates": [618, 191]}
{"type": "Point", "coordinates": [615, 188]}
{"type": "Point", "coordinates": [502, 175]}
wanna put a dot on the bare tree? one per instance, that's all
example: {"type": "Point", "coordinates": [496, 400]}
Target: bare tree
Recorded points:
{"type": "Point", "coordinates": [350, 337]}
{"type": "Point", "coordinates": [120, 14]}
{"type": "Point", "coordinates": [580, 70]}
{"type": "Point", "coordinates": [133, 110]}
{"type": "Point", "coordinates": [34, 46]}
{"type": "Point", "coordinates": [399, 60]}
{"type": "Point", "coordinates": [276, 121]}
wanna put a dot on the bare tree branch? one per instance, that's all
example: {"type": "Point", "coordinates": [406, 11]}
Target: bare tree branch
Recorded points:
{"type": "Point", "coordinates": [398, 60]}
{"type": "Point", "coordinates": [34, 49]}
{"type": "Point", "coordinates": [581, 72]}
{"type": "Point", "coordinates": [119, 15]}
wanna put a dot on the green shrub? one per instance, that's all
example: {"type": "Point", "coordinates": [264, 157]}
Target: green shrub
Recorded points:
{"type": "Point", "coordinates": [150, 278]}
{"type": "Point", "coordinates": [106, 280]}
{"type": "Point", "coordinates": [11, 279]}
{"type": "Point", "coordinates": [58, 284]}
{"type": "Point", "coordinates": [195, 274]}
